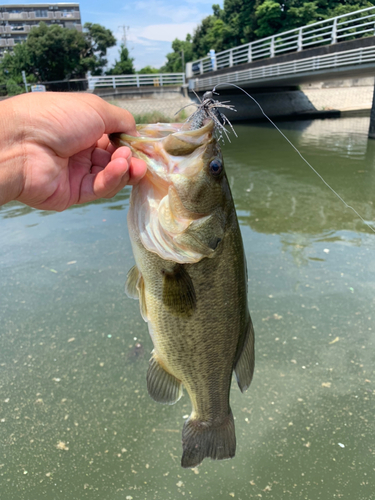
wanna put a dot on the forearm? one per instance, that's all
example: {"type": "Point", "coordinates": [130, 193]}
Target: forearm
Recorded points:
{"type": "Point", "coordinates": [11, 152]}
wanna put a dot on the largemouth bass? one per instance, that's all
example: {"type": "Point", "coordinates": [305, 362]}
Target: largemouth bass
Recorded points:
{"type": "Point", "coordinates": [191, 281]}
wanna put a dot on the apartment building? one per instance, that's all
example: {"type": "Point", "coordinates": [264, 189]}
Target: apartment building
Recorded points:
{"type": "Point", "coordinates": [16, 20]}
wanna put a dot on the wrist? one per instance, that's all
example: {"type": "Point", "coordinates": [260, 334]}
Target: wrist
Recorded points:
{"type": "Point", "coordinates": [11, 152]}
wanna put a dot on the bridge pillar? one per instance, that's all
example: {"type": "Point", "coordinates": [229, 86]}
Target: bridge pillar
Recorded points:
{"type": "Point", "coordinates": [371, 132]}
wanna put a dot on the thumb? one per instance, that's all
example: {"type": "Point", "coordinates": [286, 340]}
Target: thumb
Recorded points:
{"type": "Point", "coordinates": [116, 119]}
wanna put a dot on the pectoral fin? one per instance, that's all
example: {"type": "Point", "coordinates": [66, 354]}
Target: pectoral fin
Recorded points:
{"type": "Point", "coordinates": [244, 367]}
{"type": "Point", "coordinates": [161, 385]}
{"type": "Point", "coordinates": [131, 283]}
{"type": "Point", "coordinates": [135, 289]}
{"type": "Point", "coordinates": [203, 235]}
{"type": "Point", "coordinates": [178, 292]}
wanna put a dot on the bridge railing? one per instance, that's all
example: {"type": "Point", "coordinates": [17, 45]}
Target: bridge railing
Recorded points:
{"type": "Point", "coordinates": [337, 61]}
{"type": "Point", "coordinates": [150, 80]}
{"type": "Point", "coordinates": [336, 29]}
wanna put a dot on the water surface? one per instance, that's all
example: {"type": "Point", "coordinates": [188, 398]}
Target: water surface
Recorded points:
{"type": "Point", "coordinates": [75, 418]}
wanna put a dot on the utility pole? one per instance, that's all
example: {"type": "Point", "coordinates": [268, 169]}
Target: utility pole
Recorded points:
{"type": "Point", "coordinates": [124, 37]}
{"type": "Point", "coordinates": [183, 60]}
{"type": "Point", "coordinates": [24, 80]}
{"type": "Point", "coordinates": [371, 132]}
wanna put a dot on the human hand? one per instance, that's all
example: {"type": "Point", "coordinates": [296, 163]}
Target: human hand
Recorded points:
{"type": "Point", "coordinates": [55, 151]}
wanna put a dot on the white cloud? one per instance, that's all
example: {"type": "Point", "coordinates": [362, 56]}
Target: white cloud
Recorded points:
{"type": "Point", "coordinates": [167, 32]}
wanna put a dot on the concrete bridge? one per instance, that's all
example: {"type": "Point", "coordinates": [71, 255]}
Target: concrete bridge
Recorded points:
{"type": "Point", "coordinates": [340, 47]}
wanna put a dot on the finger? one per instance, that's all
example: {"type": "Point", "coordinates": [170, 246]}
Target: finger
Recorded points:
{"type": "Point", "coordinates": [96, 170]}
{"type": "Point", "coordinates": [111, 148]}
{"type": "Point", "coordinates": [115, 119]}
{"type": "Point", "coordinates": [138, 167]}
{"type": "Point", "coordinates": [137, 170]}
{"type": "Point", "coordinates": [122, 152]}
{"type": "Point", "coordinates": [103, 142]}
{"type": "Point", "coordinates": [100, 157]}
{"type": "Point", "coordinates": [108, 181]}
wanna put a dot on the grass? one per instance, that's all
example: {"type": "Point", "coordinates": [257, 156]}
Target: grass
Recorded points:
{"type": "Point", "coordinates": [158, 117]}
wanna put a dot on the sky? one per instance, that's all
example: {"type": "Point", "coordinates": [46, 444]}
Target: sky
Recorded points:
{"type": "Point", "coordinates": [150, 25]}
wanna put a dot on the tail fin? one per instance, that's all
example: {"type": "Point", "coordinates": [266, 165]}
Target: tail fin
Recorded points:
{"type": "Point", "coordinates": [201, 440]}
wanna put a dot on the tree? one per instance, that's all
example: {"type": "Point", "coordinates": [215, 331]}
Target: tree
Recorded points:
{"type": "Point", "coordinates": [242, 21]}
{"type": "Point", "coordinates": [12, 65]}
{"type": "Point", "coordinates": [125, 65]}
{"type": "Point", "coordinates": [269, 18]}
{"type": "Point", "coordinates": [57, 53]}
{"type": "Point", "coordinates": [147, 70]}
{"type": "Point", "coordinates": [240, 15]}
{"type": "Point", "coordinates": [98, 40]}
{"type": "Point", "coordinates": [174, 59]}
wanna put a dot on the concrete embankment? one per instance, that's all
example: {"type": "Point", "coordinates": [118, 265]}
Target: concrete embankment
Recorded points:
{"type": "Point", "coordinates": [165, 100]}
{"type": "Point", "coordinates": [335, 98]}
{"type": "Point", "coordinates": [350, 97]}
{"type": "Point", "coordinates": [167, 106]}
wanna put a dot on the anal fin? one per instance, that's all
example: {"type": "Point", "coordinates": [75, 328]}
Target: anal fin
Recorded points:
{"type": "Point", "coordinates": [201, 440]}
{"type": "Point", "coordinates": [161, 385]}
{"type": "Point", "coordinates": [244, 367]}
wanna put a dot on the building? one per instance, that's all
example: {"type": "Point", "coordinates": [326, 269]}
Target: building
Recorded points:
{"type": "Point", "coordinates": [16, 20]}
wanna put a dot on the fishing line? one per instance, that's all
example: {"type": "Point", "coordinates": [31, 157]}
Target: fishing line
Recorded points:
{"type": "Point", "coordinates": [296, 150]}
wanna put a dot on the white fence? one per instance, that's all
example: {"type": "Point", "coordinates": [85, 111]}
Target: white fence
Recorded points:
{"type": "Point", "coordinates": [337, 29]}
{"type": "Point", "coordinates": [349, 58]}
{"type": "Point", "coordinates": [154, 80]}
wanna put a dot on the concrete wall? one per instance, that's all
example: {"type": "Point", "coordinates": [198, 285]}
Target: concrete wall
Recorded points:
{"type": "Point", "coordinates": [168, 92]}
{"type": "Point", "coordinates": [167, 107]}
{"type": "Point", "coordinates": [332, 98]}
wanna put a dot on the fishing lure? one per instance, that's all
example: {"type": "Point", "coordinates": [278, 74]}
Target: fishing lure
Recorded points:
{"type": "Point", "coordinates": [208, 107]}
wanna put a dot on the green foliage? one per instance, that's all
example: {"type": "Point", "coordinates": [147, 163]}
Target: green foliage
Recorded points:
{"type": "Point", "coordinates": [174, 59]}
{"type": "Point", "coordinates": [14, 88]}
{"type": "Point", "coordinates": [269, 18]}
{"type": "Point", "coordinates": [56, 53]}
{"type": "Point", "coordinates": [98, 40]}
{"type": "Point", "coordinates": [242, 21]}
{"type": "Point", "coordinates": [147, 70]}
{"type": "Point", "coordinates": [301, 15]}
{"type": "Point", "coordinates": [125, 65]}
{"type": "Point", "coordinates": [240, 16]}
{"type": "Point", "coordinates": [158, 117]}
{"type": "Point", "coordinates": [340, 8]}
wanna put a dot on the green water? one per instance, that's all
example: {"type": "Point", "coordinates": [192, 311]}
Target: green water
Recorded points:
{"type": "Point", "coordinates": [75, 418]}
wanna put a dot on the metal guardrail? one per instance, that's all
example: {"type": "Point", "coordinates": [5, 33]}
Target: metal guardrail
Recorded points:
{"type": "Point", "coordinates": [336, 29]}
{"type": "Point", "coordinates": [363, 55]}
{"type": "Point", "coordinates": [154, 80]}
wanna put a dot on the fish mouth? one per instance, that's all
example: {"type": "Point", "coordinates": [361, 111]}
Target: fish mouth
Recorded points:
{"type": "Point", "coordinates": [167, 148]}
{"type": "Point", "coordinates": [157, 131]}
{"type": "Point", "coordinates": [156, 211]}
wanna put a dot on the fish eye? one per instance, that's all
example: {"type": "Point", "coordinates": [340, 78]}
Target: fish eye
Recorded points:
{"type": "Point", "coordinates": [216, 167]}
